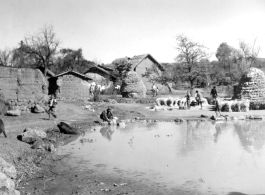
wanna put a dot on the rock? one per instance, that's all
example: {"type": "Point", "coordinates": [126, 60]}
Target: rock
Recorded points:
{"type": "Point", "coordinates": [13, 113]}
{"type": "Point", "coordinates": [37, 133]}
{"type": "Point", "coordinates": [112, 101]}
{"type": "Point", "coordinates": [38, 109]}
{"type": "Point", "coordinates": [121, 124]}
{"type": "Point", "coordinates": [50, 148]}
{"type": "Point", "coordinates": [213, 118]}
{"type": "Point", "coordinates": [67, 129]}
{"type": "Point", "coordinates": [6, 182]}
{"type": "Point", "coordinates": [5, 191]}
{"type": "Point", "coordinates": [29, 140]}
{"type": "Point", "coordinates": [8, 168]}
{"type": "Point", "coordinates": [31, 135]}
{"type": "Point", "coordinates": [179, 120]}
{"type": "Point", "coordinates": [204, 116]}
{"type": "Point", "coordinates": [132, 85]}
{"type": "Point", "coordinates": [39, 144]}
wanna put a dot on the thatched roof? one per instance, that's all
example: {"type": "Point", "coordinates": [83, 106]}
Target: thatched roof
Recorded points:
{"type": "Point", "coordinates": [136, 60]}
{"type": "Point", "coordinates": [75, 74]}
{"type": "Point", "coordinates": [101, 69]}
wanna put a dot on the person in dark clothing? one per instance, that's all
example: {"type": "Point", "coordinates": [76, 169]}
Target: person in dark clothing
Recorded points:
{"type": "Point", "coordinates": [107, 115]}
{"type": "Point", "coordinates": [214, 92]}
{"type": "Point", "coordinates": [52, 106]}
{"type": "Point", "coordinates": [188, 100]}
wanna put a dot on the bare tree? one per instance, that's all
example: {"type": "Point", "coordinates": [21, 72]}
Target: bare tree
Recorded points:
{"type": "Point", "coordinates": [6, 57]}
{"type": "Point", "coordinates": [42, 45]}
{"type": "Point", "coordinates": [246, 55]}
{"type": "Point", "coordinates": [190, 53]}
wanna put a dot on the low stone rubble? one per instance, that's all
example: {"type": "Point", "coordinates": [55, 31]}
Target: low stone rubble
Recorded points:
{"type": "Point", "coordinates": [7, 174]}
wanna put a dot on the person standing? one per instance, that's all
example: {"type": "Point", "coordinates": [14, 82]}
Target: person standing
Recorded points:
{"type": "Point", "coordinates": [217, 106]}
{"type": "Point", "coordinates": [214, 92]}
{"type": "Point", "coordinates": [198, 98]}
{"type": "Point", "coordinates": [188, 100]}
{"type": "Point", "coordinates": [154, 90]}
{"type": "Point", "coordinates": [52, 106]}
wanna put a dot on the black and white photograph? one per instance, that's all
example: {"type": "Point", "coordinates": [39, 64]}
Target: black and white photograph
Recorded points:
{"type": "Point", "coordinates": [132, 97]}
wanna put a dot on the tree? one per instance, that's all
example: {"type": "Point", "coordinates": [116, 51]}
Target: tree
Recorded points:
{"type": "Point", "coordinates": [190, 53]}
{"type": "Point", "coordinates": [246, 55]}
{"type": "Point", "coordinates": [70, 59]}
{"type": "Point", "coordinates": [122, 67]}
{"type": "Point", "coordinates": [6, 57]}
{"type": "Point", "coordinates": [154, 75]}
{"type": "Point", "coordinates": [42, 46]}
{"type": "Point", "coordinates": [223, 54]}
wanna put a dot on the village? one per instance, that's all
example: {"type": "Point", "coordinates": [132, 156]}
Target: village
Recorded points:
{"type": "Point", "coordinates": [25, 96]}
{"type": "Point", "coordinates": [132, 98]}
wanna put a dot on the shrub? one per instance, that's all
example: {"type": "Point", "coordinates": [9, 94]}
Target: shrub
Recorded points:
{"type": "Point", "coordinates": [257, 106]}
{"type": "Point", "coordinates": [243, 107]}
{"type": "Point", "coordinates": [225, 108]}
{"type": "Point", "coordinates": [235, 107]}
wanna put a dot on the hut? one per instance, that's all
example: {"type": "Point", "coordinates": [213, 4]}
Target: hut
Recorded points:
{"type": "Point", "coordinates": [101, 74]}
{"type": "Point", "coordinates": [140, 63]}
{"type": "Point", "coordinates": [70, 85]}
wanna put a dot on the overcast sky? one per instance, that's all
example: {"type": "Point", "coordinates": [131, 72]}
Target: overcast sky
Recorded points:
{"type": "Point", "coordinates": [109, 29]}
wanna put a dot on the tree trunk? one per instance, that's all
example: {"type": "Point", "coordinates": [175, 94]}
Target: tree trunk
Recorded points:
{"type": "Point", "coordinates": [191, 88]}
{"type": "Point", "coordinates": [45, 71]}
{"type": "Point", "coordinates": [169, 88]}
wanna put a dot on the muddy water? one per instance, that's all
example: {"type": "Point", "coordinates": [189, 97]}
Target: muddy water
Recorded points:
{"type": "Point", "coordinates": [193, 157]}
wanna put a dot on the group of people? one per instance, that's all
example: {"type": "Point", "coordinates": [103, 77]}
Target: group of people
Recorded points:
{"type": "Point", "coordinates": [198, 98]}
{"type": "Point", "coordinates": [96, 87]}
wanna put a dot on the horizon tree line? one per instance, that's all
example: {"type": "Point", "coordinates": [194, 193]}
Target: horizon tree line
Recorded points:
{"type": "Point", "coordinates": [192, 66]}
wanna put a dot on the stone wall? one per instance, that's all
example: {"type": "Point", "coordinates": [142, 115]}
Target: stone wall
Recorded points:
{"type": "Point", "coordinates": [251, 86]}
{"type": "Point", "coordinates": [23, 86]}
{"type": "Point", "coordinates": [73, 88]}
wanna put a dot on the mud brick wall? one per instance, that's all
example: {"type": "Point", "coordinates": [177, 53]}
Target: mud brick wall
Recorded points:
{"type": "Point", "coordinates": [73, 87]}
{"type": "Point", "coordinates": [251, 86]}
{"type": "Point", "coordinates": [23, 85]}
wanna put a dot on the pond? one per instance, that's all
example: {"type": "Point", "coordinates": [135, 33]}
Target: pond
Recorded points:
{"type": "Point", "coordinates": [197, 157]}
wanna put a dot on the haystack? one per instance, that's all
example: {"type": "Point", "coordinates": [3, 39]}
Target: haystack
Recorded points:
{"type": "Point", "coordinates": [133, 86]}
{"type": "Point", "coordinates": [251, 86]}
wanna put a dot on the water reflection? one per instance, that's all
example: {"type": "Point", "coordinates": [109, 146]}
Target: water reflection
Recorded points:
{"type": "Point", "coordinates": [251, 134]}
{"type": "Point", "coordinates": [107, 131]}
{"type": "Point", "coordinates": [203, 157]}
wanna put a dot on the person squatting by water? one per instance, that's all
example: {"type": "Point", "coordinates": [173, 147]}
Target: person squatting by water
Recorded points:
{"type": "Point", "coordinates": [198, 98]}
{"type": "Point", "coordinates": [52, 106]}
{"type": "Point", "coordinates": [107, 115]}
{"type": "Point", "coordinates": [214, 92]}
{"type": "Point", "coordinates": [188, 100]}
